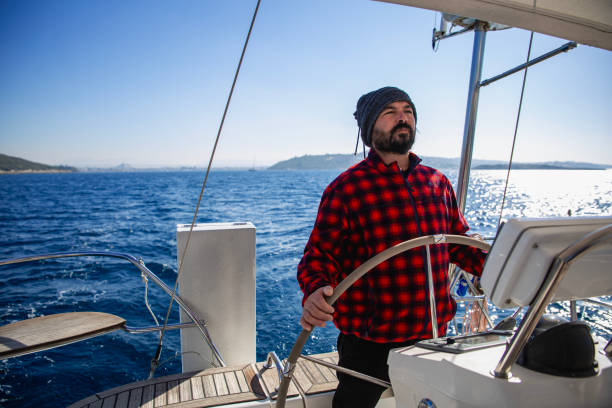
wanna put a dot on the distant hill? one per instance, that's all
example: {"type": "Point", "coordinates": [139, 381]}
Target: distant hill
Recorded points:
{"type": "Point", "coordinates": [318, 162]}
{"type": "Point", "coordinates": [127, 168]}
{"type": "Point", "coordinates": [343, 161]}
{"type": "Point", "coordinates": [15, 164]}
{"type": "Point", "coordinates": [556, 165]}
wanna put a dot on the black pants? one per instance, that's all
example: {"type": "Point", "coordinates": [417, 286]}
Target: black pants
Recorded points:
{"type": "Point", "coordinates": [366, 357]}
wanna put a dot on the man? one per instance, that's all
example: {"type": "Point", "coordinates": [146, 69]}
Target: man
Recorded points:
{"type": "Point", "coordinates": [381, 201]}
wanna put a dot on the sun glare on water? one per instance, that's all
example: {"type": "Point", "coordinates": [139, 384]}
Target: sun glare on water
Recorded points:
{"type": "Point", "coordinates": [538, 193]}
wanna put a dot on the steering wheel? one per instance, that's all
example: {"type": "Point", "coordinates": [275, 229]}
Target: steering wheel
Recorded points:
{"type": "Point", "coordinates": [358, 273]}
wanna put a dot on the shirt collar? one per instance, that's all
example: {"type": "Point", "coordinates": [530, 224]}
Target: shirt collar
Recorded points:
{"type": "Point", "coordinates": [376, 162]}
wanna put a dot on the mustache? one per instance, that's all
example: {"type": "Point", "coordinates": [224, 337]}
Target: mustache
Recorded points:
{"type": "Point", "coordinates": [402, 126]}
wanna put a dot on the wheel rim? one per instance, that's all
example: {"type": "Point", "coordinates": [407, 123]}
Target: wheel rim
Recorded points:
{"type": "Point", "coordinates": [352, 277]}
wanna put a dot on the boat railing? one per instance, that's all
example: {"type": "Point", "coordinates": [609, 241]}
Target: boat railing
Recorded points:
{"type": "Point", "coordinates": [273, 360]}
{"type": "Point", "coordinates": [146, 272]}
{"type": "Point", "coordinates": [574, 306]}
{"type": "Point", "coordinates": [150, 329]}
{"type": "Point", "coordinates": [596, 302]}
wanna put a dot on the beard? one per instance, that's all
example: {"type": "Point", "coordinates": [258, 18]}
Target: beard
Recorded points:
{"type": "Point", "coordinates": [399, 140]}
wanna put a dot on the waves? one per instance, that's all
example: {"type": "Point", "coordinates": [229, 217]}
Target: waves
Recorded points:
{"type": "Point", "coordinates": [137, 213]}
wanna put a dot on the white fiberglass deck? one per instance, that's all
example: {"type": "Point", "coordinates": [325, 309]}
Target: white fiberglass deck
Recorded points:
{"type": "Point", "coordinates": [466, 380]}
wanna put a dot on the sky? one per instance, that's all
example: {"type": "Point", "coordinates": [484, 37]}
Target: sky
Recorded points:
{"type": "Point", "coordinates": [144, 82]}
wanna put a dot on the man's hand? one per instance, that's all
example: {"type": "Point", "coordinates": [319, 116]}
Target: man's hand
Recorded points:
{"type": "Point", "coordinates": [316, 311]}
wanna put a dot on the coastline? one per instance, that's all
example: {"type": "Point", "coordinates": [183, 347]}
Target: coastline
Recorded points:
{"type": "Point", "coordinates": [30, 171]}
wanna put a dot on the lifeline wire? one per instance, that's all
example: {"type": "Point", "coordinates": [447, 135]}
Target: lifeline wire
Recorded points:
{"type": "Point", "coordinates": [155, 360]}
{"type": "Point", "coordinates": [518, 116]}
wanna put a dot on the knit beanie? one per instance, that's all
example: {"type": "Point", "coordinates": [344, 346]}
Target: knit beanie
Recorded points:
{"type": "Point", "coordinates": [370, 105]}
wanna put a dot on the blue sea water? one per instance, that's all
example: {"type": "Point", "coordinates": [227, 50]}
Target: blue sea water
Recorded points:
{"type": "Point", "coordinates": [137, 213]}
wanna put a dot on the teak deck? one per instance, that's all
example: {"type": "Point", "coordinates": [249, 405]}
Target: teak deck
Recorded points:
{"type": "Point", "coordinates": [216, 386]}
{"type": "Point", "coordinates": [45, 332]}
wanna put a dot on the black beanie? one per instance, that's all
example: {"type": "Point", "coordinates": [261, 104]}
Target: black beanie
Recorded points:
{"type": "Point", "coordinates": [370, 105]}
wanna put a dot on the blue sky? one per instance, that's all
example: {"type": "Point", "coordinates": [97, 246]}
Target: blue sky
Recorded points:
{"type": "Point", "coordinates": [99, 83]}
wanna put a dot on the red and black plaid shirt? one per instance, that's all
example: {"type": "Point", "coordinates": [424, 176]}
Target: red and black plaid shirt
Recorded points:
{"type": "Point", "coordinates": [367, 209]}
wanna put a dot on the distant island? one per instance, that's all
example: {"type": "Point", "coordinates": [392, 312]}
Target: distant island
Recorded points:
{"type": "Point", "coordinates": [543, 166]}
{"type": "Point", "coordinates": [13, 165]}
{"type": "Point", "coordinates": [318, 162]}
{"type": "Point", "coordinates": [10, 164]}
{"type": "Point", "coordinates": [343, 161]}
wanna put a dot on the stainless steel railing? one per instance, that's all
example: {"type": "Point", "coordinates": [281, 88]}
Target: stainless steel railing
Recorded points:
{"type": "Point", "coordinates": [138, 263]}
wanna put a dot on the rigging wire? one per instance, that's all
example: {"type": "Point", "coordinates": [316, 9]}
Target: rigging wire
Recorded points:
{"type": "Point", "coordinates": [518, 116]}
{"type": "Point", "coordinates": [155, 360]}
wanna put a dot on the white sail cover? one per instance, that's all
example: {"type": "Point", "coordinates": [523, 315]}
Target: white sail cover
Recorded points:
{"type": "Point", "coordinates": [584, 21]}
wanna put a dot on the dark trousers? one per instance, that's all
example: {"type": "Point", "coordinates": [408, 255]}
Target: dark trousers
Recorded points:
{"type": "Point", "coordinates": [366, 357]}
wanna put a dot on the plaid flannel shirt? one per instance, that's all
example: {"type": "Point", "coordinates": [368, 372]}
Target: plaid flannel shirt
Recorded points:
{"type": "Point", "coordinates": [367, 209]}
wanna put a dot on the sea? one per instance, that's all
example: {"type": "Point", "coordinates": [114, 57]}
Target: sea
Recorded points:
{"type": "Point", "coordinates": [137, 213]}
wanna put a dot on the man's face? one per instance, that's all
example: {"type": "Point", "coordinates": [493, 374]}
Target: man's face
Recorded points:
{"type": "Point", "coordinates": [393, 131]}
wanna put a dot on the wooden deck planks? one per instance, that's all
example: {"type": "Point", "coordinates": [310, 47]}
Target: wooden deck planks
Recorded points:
{"type": "Point", "coordinates": [148, 393]}
{"type": "Point", "coordinates": [216, 386]}
{"type": "Point", "coordinates": [313, 370]}
{"type": "Point", "coordinates": [160, 394]}
{"type": "Point", "coordinates": [312, 378]}
{"type": "Point", "coordinates": [220, 384]}
{"type": "Point", "coordinates": [197, 388]}
{"type": "Point", "coordinates": [45, 332]}
{"type": "Point", "coordinates": [302, 378]}
{"type": "Point", "coordinates": [232, 382]}
{"type": "Point", "coordinates": [173, 392]}
{"type": "Point", "coordinates": [185, 389]}
{"type": "Point", "coordinates": [109, 402]}
{"type": "Point", "coordinates": [322, 378]}
{"type": "Point", "coordinates": [209, 386]}
{"type": "Point", "coordinates": [122, 400]}
{"type": "Point", "coordinates": [330, 376]}
{"type": "Point", "coordinates": [250, 372]}
{"type": "Point", "coordinates": [271, 381]}
{"type": "Point", "coordinates": [135, 398]}
{"type": "Point", "coordinates": [97, 404]}
{"type": "Point", "coordinates": [242, 381]}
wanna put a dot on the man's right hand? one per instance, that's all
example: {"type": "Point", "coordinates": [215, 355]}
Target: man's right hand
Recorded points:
{"type": "Point", "coordinates": [316, 311]}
